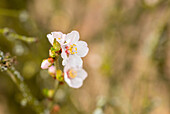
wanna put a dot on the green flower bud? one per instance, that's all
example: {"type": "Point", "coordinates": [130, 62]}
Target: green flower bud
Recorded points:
{"type": "Point", "coordinates": [48, 92]}
{"type": "Point", "coordinates": [56, 46]}
{"type": "Point", "coordinates": [59, 76]}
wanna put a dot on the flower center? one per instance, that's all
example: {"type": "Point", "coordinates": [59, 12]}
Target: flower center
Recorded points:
{"type": "Point", "coordinates": [72, 73]}
{"type": "Point", "coordinates": [72, 49]}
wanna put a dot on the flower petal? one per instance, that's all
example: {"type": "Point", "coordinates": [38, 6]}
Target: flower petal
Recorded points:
{"type": "Point", "coordinates": [82, 48]}
{"type": "Point", "coordinates": [81, 73]}
{"type": "Point", "coordinates": [76, 83]}
{"type": "Point", "coordinates": [72, 37]}
{"type": "Point", "coordinates": [74, 61]}
{"type": "Point", "coordinates": [60, 37]}
{"type": "Point", "coordinates": [57, 34]}
{"type": "Point", "coordinates": [64, 62]}
{"type": "Point", "coordinates": [45, 64]}
{"type": "Point", "coordinates": [52, 70]}
{"type": "Point", "coordinates": [50, 38]}
{"type": "Point", "coordinates": [67, 80]}
{"type": "Point", "coordinates": [63, 54]}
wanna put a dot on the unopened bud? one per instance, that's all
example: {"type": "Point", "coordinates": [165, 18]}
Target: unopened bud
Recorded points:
{"type": "Point", "coordinates": [48, 92]}
{"type": "Point", "coordinates": [52, 52]}
{"type": "Point", "coordinates": [45, 64]}
{"type": "Point", "coordinates": [59, 75]}
{"type": "Point", "coordinates": [52, 71]}
{"type": "Point", "coordinates": [56, 45]}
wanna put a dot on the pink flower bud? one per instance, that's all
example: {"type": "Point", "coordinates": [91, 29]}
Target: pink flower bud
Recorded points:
{"type": "Point", "coordinates": [45, 64]}
{"type": "Point", "coordinates": [52, 71]}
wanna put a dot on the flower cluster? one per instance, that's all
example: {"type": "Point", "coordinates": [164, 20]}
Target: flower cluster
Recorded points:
{"type": "Point", "coordinates": [71, 51]}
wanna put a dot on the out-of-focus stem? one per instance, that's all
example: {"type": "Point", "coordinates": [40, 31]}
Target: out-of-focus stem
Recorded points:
{"type": "Point", "coordinates": [12, 35]}
{"type": "Point", "coordinates": [9, 12]}
{"type": "Point", "coordinates": [55, 90]}
{"type": "Point", "coordinates": [56, 84]}
{"type": "Point", "coordinates": [19, 81]}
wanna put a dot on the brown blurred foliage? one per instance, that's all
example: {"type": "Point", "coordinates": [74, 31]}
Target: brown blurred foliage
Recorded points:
{"type": "Point", "coordinates": [128, 62]}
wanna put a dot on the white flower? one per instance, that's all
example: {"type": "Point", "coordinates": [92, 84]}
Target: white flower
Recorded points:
{"type": "Point", "coordinates": [45, 64]}
{"type": "Point", "coordinates": [59, 36]}
{"type": "Point", "coordinates": [72, 46]}
{"type": "Point", "coordinates": [74, 74]}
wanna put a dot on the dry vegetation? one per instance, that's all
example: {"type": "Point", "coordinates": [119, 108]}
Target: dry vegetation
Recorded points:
{"type": "Point", "coordinates": [128, 62]}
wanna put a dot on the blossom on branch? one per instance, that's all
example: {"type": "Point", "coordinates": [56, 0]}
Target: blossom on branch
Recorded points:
{"type": "Point", "coordinates": [74, 74]}
{"type": "Point", "coordinates": [71, 51]}
{"type": "Point", "coordinates": [59, 36]}
{"type": "Point", "coordinates": [73, 46]}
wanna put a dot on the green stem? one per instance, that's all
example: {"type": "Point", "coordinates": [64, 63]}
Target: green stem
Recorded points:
{"type": "Point", "coordinates": [57, 63]}
{"type": "Point", "coordinates": [56, 84]}
{"type": "Point", "coordinates": [19, 81]}
{"type": "Point", "coordinates": [8, 33]}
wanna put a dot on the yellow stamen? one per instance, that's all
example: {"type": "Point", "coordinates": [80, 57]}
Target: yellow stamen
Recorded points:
{"type": "Point", "coordinates": [72, 73]}
{"type": "Point", "coordinates": [73, 49]}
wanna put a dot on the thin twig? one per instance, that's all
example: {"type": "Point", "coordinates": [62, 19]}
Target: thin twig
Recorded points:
{"type": "Point", "coordinates": [7, 62]}
{"type": "Point", "coordinates": [56, 85]}
{"type": "Point", "coordinates": [19, 81]}
{"type": "Point", "coordinates": [8, 33]}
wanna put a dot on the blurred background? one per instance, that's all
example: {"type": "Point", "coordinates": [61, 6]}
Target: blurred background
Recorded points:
{"type": "Point", "coordinates": [128, 62]}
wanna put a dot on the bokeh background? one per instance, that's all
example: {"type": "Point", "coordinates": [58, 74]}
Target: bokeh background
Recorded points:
{"type": "Point", "coordinates": [128, 63]}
